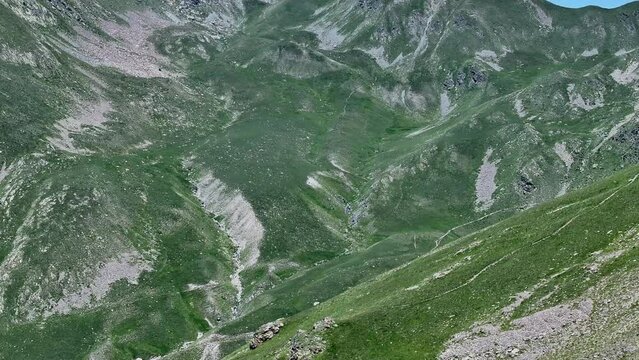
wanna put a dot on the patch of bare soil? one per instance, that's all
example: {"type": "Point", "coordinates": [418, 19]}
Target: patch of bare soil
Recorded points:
{"type": "Point", "coordinates": [129, 48]}
{"type": "Point", "coordinates": [90, 116]}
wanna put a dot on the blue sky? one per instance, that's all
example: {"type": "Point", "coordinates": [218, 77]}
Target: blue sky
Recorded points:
{"type": "Point", "coordinates": [582, 3]}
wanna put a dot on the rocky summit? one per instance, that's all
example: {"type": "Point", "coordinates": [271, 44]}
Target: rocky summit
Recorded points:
{"type": "Point", "coordinates": [318, 179]}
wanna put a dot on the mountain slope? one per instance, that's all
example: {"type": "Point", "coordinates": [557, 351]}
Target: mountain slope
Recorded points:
{"type": "Point", "coordinates": [551, 282]}
{"type": "Point", "coordinates": [215, 165]}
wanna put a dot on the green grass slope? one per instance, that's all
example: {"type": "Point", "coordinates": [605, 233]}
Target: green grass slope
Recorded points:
{"type": "Point", "coordinates": [581, 248]}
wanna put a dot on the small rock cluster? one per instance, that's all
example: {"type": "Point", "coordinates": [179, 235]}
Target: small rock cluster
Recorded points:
{"type": "Point", "coordinates": [265, 333]}
{"type": "Point", "coordinates": [305, 345]}
{"type": "Point", "coordinates": [191, 9]}
{"type": "Point", "coordinates": [324, 324]}
{"type": "Point", "coordinates": [526, 185]}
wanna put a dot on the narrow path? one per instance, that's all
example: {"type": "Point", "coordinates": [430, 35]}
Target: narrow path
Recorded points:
{"type": "Point", "coordinates": [439, 240]}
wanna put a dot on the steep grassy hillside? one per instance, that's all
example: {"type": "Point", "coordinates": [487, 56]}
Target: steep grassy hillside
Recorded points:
{"type": "Point", "coordinates": [552, 282]}
{"type": "Point", "coordinates": [174, 170]}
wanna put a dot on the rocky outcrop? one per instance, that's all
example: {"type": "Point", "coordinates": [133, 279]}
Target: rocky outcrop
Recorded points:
{"type": "Point", "coordinates": [307, 344]}
{"type": "Point", "coordinates": [266, 333]}
{"type": "Point", "coordinates": [534, 335]}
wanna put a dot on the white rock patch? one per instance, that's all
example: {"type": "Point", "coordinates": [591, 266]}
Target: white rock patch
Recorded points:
{"type": "Point", "coordinates": [544, 19]}
{"type": "Point", "coordinates": [333, 23]}
{"type": "Point", "coordinates": [211, 352]}
{"type": "Point", "coordinates": [4, 171]}
{"type": "Point", "coordinates": [520, 109]}
{"type": "Point", "coordinates": [590, 53]}
{"type": "Point", "coordinates": [578, 102]}
{"type": "Point", "coordinates": [89, 116]}
{"type": "Point", "coordinates": [379, 56]}
{"type": "Point", "coordinates": [312, 182]}
{"type": "Point", "coordinates": [490, 342]}
{"type": "Point", "coordinates": [239, 221]}
{"type": "Point", "coordinates": [445, 105]}
{"type": "Point", "coordinates": [623, 52]}
{"type": "Point", "coordinates": [210, 285]}
{"type": "Point", "coordinates": [132, 52]}
{"type": "Point", "coordinates": [564, 154]}
{"type": "Point", "coordinates": [402, 97]}
{"type": "Point", "coordinates": [227, 17]}
{"type": "Point", "coordinates": [329, 37]}
{"type": "Point", "coordinates": [628, 76]}
{"type": "Point", "coordinates": [564, 189]}
{"type": "Point", "coordinates": [489, 58]}
{"type": "Point", "coordinates": [127, 266]}
{"type": "Point", "coordinates": [143, 145]}
{"type": "Point", "coordinates": [485, 185]}
{"type": "Point", "coordinates": [335, 161]}
{"type": "Point", "coordinates": [17, 57]}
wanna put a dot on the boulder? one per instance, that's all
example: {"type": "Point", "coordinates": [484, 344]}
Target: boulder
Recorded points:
{"type": "Point", "coordinates": [266, 332]}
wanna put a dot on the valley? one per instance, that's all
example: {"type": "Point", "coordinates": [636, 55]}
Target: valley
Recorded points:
{"type": "Point", "coordinates": [392, 179]}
